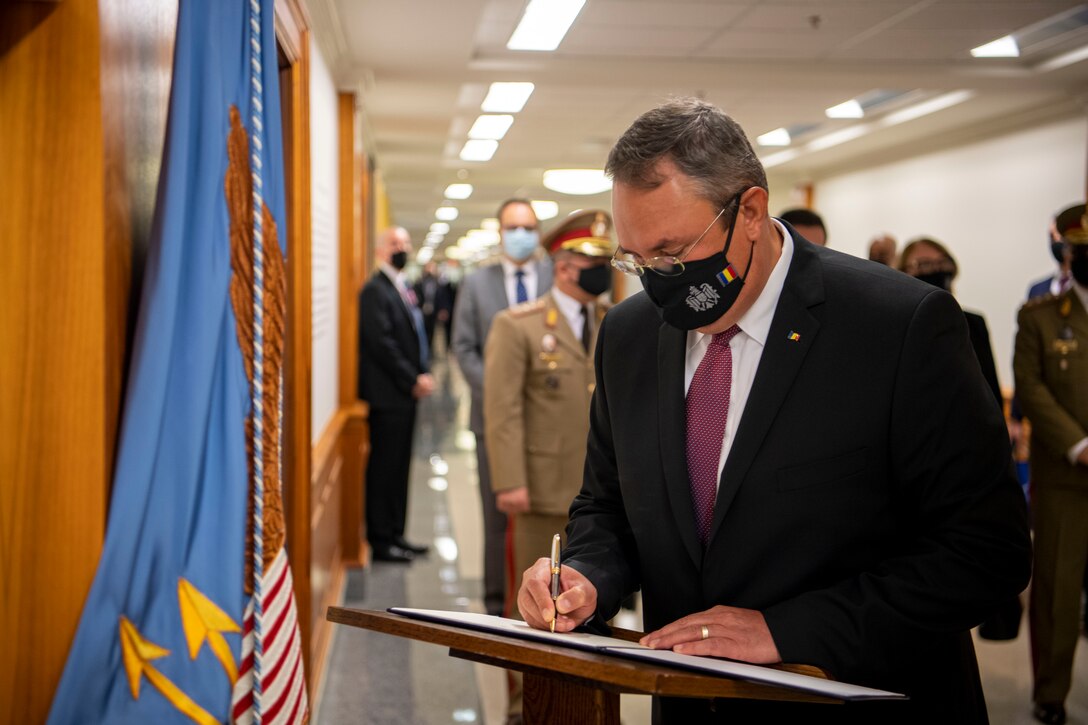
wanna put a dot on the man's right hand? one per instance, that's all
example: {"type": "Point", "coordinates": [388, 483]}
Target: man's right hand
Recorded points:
{"type": "Point", "coordinates": [424, 386]}
{"type": "Point", "coordinates": [577, 599]}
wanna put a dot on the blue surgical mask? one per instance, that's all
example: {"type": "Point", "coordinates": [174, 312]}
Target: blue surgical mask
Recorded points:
{"type": "Point", "coordinates": [519, 244]}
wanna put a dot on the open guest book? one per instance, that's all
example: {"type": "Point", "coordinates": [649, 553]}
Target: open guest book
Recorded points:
{"type": "Point", "coordinates": [633, 650]}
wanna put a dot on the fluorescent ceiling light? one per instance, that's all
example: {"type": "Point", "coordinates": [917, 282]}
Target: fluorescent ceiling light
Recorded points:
{"type": "Point", "coordinates": [544, 24]}
{"type": "Point", "coordinates": [486, 236]}
{"type": "Point", "coordinates": [577, 181]}
{"type": "Point", "coordinates": [479, 150]}
{"type": "Point", "coordinates": [491, 126]}
{"type": "Point", "coordinates": [424, 255]}
{"type": "Point", "coordinates": [491, 224]}
{"type": "Point", "coordinates": [838, 137]}
{"type": "Point", "coordinates": [926, 107]}
{"type": "Point", "coordinates": [846, 109]}
{"type": "Point", "coordinates": [458, 191]}
{"type": "Point", "coordinates": [777, 137]}
{"type": "Point", "coordinates": [1061, 61]}
{"type": "Point", "coordinates": [1004, 47]}
{"type": "Point", "coordinates": [506, 97]}
{"type": "Point", "coordinates": [446, 213]}
{"type": "Point", "coordinates": [545, 209]}
{"type": "Point", "coordinates": [440, 228]}
{"type": "Point", "coordinates": [455, 252]}
{"type": "Point", "coordinates": [779, 158]}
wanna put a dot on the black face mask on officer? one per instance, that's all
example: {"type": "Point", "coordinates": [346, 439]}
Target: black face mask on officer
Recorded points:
{"type": "Point", "coordinates": [704, 290]}
{"type": "Point", "coordinates": [595, 280]}
{"type": "Point", "coordinates": [398, 260]}
{"type": "Point", "coordinates": [1057, 250]}
{"type": "Point", "coordinates": [1078, 267]}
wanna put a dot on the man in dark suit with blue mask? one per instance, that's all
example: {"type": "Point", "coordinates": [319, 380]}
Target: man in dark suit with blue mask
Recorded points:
{"type": "Point", "coordinates": [792, 451]}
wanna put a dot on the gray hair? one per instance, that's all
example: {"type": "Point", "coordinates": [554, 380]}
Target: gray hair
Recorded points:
{"type": "Point", "coordinates": [705, 144]}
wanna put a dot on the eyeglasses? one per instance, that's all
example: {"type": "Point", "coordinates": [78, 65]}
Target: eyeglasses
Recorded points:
{"type": "Point", "coordinates": [666, 266]}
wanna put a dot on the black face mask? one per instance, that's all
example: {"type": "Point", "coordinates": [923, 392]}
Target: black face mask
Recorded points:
{"type": "Point", "coordinates": [1079, 266]}
{"type": "Point", "coordinates": [703, 292]}
{"type": "Point", "coordinates": [595, 280]}
{"type": "Point", "coordinates": [398, 260]}
{"type": "Point", "coordinates": [937, 279]}
{"type": "Point", "coordinates": [1057, 249]}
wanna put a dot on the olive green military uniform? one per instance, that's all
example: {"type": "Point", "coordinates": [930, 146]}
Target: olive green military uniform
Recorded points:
{"type": "Point", "coordinates": [538, 383]}
{"type": "Point", "coordinates": [1051, 367]}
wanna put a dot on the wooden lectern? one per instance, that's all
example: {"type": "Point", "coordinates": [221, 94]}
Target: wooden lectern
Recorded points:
{"type": "Point", "coordinates": [571, 685]}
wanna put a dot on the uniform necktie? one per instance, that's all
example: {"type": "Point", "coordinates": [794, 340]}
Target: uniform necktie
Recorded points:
{"type": "Point", "coordinates": [519, 289]}
{"type": "Point", "coordinates": [707, 408]}
{"type": "Point", "coordinates": [587, 332]}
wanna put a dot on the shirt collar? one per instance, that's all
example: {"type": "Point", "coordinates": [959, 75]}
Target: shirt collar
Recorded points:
{"type": "Point", "coordinates": [570, 307]}
{"type": "Point", "coordinates": [509, 269]}
{"type": "Point", "coordinates": [756, 322]}
{"type": "Point", "coordinates": [397, 278]}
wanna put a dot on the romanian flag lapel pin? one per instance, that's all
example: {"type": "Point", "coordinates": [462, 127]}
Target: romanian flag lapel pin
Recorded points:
{"type": "Point", "coordinates": [794, 336]}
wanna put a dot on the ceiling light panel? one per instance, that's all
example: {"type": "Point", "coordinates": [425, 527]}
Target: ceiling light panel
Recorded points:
{"type": "Point", "coordinates": [491, 126]}
{"type": "Point", "coordinates": [545, 209]}
{"type": "Point", "coordinates": [1004, 47]}
{"type": "Point", "coordinates": [544, 24]}
{"type": "Point", "coordinates": [846, 109]}
{"type": "Point", "coordinates": [458, 191]}
{"type": "Point", "coordinates": [446, 213]}
{"type": "Point", "coordinates": [577, 182]}
{"type": "Point", "coordinates": [777, 137]}
{"type": "Point", "coordinates": [440, 228]}
{"type": "Point", "coordinates": [506, 97]}
{"type": "Point", "coordinates": [479, 150]}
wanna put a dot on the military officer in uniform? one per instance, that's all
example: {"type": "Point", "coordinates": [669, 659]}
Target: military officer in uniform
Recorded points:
{"type": "Point", "coordinates": [538, 383]}
{"type": "Point", "coordinates": [1051, 367]}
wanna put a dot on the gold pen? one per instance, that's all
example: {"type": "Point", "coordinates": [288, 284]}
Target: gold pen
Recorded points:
{"type": "Point", "coordinates": [555, 579]}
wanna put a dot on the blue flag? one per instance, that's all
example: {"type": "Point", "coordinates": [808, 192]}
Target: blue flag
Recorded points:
{"type": "Point", "coordinates": [191, 616]}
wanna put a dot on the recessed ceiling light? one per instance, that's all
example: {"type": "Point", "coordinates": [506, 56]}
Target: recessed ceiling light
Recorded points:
{"type": "Point", "coordinates": [424, 255]}
{"type": "Point", "coordinates": [544, 24]}
{"type": "Point", "coordinates": [1061, 61]}
{"type": "Point", "coordinates": [488, 237]}
{"type": "Point", "coordinates": [458, 191]}
{"type": "Point", "coordinates": [1004, 47]}
{"type": "Point", "coordinates": [493, 126]}
{"type": "Point", "coordinates": [505, 97]}
{"type": "Point", "coordinates": [479, 150]}
{"type": "Point", "coordinates": [491, 224]}
{"type": "Point", "coordinates": [838, 137]}
{"type": "Point", "coordinates": [779, 157]}
{"type": "Point", "coordinates": [577, 181]}
{"type": "Point", "coordinates": [440, 228]}
{"type": "Point", "coordinates": [846, 109]}
{"type": "Point", "coordinates": [544, 209]}
{"type": "Point", "coordinates": [777, 137]}
{"type": "Point", "coordinates": [446, 213]}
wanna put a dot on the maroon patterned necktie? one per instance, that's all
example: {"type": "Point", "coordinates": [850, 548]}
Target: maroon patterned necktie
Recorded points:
{"type": "Point", "coordinates": [707, 408]}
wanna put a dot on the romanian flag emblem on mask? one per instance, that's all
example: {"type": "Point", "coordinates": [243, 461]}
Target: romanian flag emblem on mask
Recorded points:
{"type": "Point", "coordinates": [727, 275]}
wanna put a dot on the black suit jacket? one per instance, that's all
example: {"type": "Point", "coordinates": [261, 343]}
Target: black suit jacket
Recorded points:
{"type": "Point", "coordinates": [389, 355]}
{"type": "Point", "coordinates": [867, 506]}
{"type": "Point", "coordinates": [980, 343]}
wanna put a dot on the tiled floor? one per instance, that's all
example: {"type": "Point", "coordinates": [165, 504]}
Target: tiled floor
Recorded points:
{"type": "Point", "coordinates": [379, 679]}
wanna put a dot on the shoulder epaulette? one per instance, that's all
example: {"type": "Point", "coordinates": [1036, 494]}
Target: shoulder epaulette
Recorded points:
{"type": "Point", "coordinates": [527, 308]}
{"type": "Point", "coordinates": [1047, 299]}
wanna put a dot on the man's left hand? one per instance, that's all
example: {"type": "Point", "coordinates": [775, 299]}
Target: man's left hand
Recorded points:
{"type": "Point", "coordinates": [739, 634]}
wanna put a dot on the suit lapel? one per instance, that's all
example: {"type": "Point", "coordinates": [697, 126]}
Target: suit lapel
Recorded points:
{"type": "Point", "coordinates": [398, 301]}
{"type": "Point", "coordinates": [778, 366]}
{"type": "Point", "coordinates": [671, 419]}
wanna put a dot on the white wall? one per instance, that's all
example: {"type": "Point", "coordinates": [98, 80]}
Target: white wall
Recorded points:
{"type": "Point", "coordinates": [325, 181]}
{"type": "Point", "coordinates": [989, 202]}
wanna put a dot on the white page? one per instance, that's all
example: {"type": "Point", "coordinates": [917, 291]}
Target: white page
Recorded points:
{"type": "Point", "coordinates": [633, 650]}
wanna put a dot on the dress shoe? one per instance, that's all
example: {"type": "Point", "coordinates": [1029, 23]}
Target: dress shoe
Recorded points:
{"type": "Point", "coordinates": [1052, 713]}
{"type": "Point", "coordinates": [392, 552]}
{"type": "Point", "coordinates": [414, 548]}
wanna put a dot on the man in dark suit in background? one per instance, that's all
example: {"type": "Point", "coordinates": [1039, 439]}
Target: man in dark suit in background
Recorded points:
{"type": "Point", "coordinates": [393, 375]}
{"type": "Point", "coordinates": [834, 486]}
{"type": "Point", "coordinates": [518, 277]}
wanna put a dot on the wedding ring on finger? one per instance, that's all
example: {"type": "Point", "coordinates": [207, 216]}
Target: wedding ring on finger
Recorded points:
{"type": "Point", "coordinates": [706, 631]}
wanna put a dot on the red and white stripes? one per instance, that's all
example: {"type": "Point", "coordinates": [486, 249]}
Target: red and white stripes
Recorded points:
{"type": "Point", "coordinates": [283, 682]}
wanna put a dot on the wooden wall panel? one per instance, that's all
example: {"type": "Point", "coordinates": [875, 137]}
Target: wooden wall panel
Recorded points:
{"type": "Point", "coordinates": [76, 192]}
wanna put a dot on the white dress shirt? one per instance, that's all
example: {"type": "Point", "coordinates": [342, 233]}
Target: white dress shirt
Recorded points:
{"type": "Point", "coordinates": [746, 346]}
{"type": "Point", "coordinates": [509, 275]}
{"type": "Point", "coordinates": [572, 311]}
